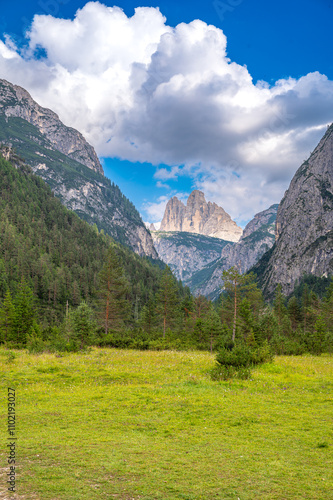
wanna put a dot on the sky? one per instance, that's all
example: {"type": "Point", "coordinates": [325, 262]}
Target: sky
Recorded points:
{"type": "Point", "coordinates": [228, 97]}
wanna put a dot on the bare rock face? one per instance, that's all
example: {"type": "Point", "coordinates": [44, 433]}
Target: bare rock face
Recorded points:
{"type": "Point", "coordinates": [199, 260]}
{"type": "Point", "coordinates": [304, 224]}
{"type": "Point", "coordinates": [199, 217]}
{"type": "Point", "coordinates": [187, 253]}
{"type": "Point", "coordinates": [258, 237]}
{"type": "Point", "coordinates": [18, 103]}
{"type": "Point", "coordinates": [70, 166]}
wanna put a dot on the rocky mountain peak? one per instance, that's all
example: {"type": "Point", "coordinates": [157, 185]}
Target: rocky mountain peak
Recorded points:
{"type": "Point", "coordinates": [304, 224]}
{"type": "Point", "coordinates": [265, 218]}
{"type": "Point", "coordinates": [69, 165]}
{"type": "Point", "coordinates": [199, 217]}
{"type": "Point", "coordinates": [17, 102]}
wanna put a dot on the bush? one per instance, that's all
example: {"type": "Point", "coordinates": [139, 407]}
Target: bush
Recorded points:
{"type": "Point", "coordinates": [287, 347]}
{"type": "Point", "coordinates": [35, 344]}
{"type": "Point", "coordinates": [242, 355]}
{"type": "Point", "coordinates": [237, 361]}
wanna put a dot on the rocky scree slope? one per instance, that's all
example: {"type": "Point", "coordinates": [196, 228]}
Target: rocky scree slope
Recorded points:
{"type": "Point", "coordinates": [199, 260]}
{"type": "Point", "coordinates": [186, 253]}
{"type": "Point", "coordinates": [63, 158]}
{"type": "Point", "coordinates": [304, 225]}
{"type": "Point", "coordinates": [257, 238]}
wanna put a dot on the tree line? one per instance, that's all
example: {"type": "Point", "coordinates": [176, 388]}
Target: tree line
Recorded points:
{"type": "Point", "coordinates": [64, 286]}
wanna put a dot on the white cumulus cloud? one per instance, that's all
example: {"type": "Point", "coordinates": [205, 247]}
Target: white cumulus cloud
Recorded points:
{"type": "Point", "coordinates": [141, 90]}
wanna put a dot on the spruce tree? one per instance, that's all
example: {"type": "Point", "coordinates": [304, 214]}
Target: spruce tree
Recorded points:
{"type": "Point", "coordinates": [168, 300]}
{"type": "Point", "coordinates": [7, 316]}
{"type": "Point", "coordinates": [113, 288]}
{"type": "Point", "coordinates": [83, 325]}
{"type": "Point", "coordinates": [24, 314]}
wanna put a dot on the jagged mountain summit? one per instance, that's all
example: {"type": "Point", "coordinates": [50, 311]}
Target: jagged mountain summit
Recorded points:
{"type": "Point", "coordinates": [304, 225]}
{"type": "Point", "coordinates": [199, 260]}
{"type": "Point", "coordinates": [200, 217]}
{"type": "Point", "coordinates": [64, 159]}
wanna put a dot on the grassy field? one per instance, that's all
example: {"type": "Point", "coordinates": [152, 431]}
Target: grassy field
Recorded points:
{"type": "Point", "coordinates": [116, 424]}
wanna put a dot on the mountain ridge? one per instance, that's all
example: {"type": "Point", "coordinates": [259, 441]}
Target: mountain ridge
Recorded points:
{"type": "Point", "coordinates": [81, 187]}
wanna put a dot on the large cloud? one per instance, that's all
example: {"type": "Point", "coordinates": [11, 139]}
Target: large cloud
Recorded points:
{"type": "Point", "coordinates": [143, 91]}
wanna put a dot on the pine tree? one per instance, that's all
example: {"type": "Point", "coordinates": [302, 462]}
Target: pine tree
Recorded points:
{"type": "Point", "coordinates": [279, 305]}
{"type": "Point", "coordinates": [3, 278]}
{"type": "Point", "coordinates": [237, 285]}
{"type": "Point", "coordinates": [83, 325]}
{"type": "Point", "coordinates": [113, 288]}
{"type": "Point", "coordinates": [168, 299]}
{"type": "Point", "coordinates": [24, 314]}
{"type": "Point", "coordinates": [148, 319]}
{"type": "Point", "coordinates": [7, 316]}
{"type": "Point", "coordinates": [318, 337]}
{"type": "Point", "coordinates": [294, 312]}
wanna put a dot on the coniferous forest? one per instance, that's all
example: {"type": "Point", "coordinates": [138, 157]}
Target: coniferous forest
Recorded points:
{"type": "Point", "coordinates": [65, 286]}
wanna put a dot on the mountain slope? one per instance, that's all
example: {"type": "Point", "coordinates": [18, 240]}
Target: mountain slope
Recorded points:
{"type": "Point", "coordinates": [258, 237]}
{"type": "Point", "coordinates": [57, 253]}
{"type": "Point", "coordinates": [304, 224]}
{"type": "Point", "coordinates": [186, 253]}
{"type": "Point", "coordinates": [199, 260]}
{"type": "Point", "coordinates": [62, 157]}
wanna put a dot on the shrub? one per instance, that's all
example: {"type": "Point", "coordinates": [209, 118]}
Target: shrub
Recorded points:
{"type": "Point", "coordinates": [242, 355]}
{"type": "Point", "coordinates": [236, 362]}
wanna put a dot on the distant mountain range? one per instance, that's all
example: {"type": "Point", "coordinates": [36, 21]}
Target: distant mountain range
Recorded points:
{"type": "Point", "coordinates": [199, 260]}
{"type": "Point", "coordinates": [282, 244]}
{"type": "Point", "coordinates": [198, 240]}
{"type": "Point", "coordinates": [64, 159]}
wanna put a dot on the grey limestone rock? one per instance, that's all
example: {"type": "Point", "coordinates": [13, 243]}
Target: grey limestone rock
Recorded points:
{"type": "Point", "coordinates": [304, 224]}
{"type": "Point", "coordinates": [200, 217]}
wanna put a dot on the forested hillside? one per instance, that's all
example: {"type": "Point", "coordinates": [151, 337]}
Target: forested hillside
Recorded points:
{"type": "Point", "coordinates": [65, 285]}
{"type": "Point", "coordinates": [57, 254]}
{"type": "Point", "coordinates": [70, 166]}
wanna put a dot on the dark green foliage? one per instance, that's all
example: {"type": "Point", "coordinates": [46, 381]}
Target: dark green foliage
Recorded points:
{"type": "Point", "coordinates": [317, 285]}
{"type": "Point", "coordinates": [238, 361]}
{"type": "Point", "coordinates": [168, 299]}
{"type": "Point", "coordinates": [83, 325]}
{"type": "Point", "coordinates": [112, 290]}
{"type": "Point", "coordinates": [243, 355]}
{"type": "Point", "coordinates": [57, 254]}
{"type": "Point", "coordinates": [24, 315]}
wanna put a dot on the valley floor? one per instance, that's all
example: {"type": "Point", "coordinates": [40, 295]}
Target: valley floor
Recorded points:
{"type": "Point", "coordinates": [153, 426]}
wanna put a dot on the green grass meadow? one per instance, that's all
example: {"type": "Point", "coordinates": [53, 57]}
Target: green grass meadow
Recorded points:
{"type": "Point", "coordinates": [121, 424]}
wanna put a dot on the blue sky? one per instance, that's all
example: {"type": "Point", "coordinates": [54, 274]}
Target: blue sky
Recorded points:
{"type": "Point", "coordinates": [162, 129]}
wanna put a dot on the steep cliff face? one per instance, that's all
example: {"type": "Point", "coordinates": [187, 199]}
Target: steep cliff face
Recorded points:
{"type": "Point", "coordinates": [304, 224]}
{"type": "Point", "coordinates": [200, 260]}
{"type": "Point", "coordinates": [187, 253]}
{"type": "Point", "coordinates": [258, 237]}
{"type": "Point", "coordinates": [62, 157]}
{"type": "Point", "coordinates": [18, 103]}
{"type": "Point", "coordinates": [199, 217]}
